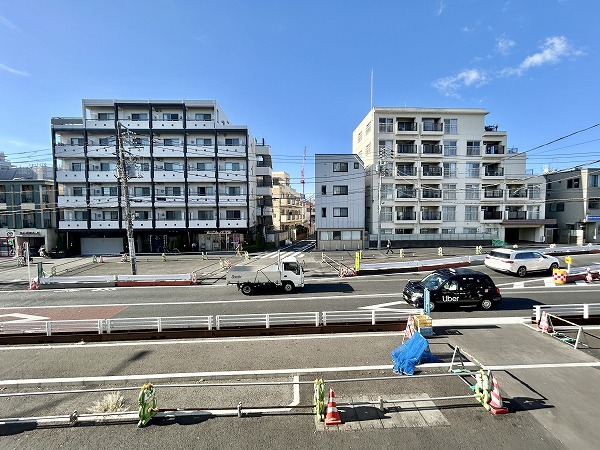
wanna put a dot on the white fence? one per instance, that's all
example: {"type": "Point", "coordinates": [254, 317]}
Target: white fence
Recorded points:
{"type": "Point", "coordinates": [585, 310]}
{"type": "Point", "coordinates": [209, 323]}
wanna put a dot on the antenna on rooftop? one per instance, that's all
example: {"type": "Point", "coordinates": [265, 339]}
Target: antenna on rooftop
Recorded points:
{"type": "Point", "coordinates": [302, 171]}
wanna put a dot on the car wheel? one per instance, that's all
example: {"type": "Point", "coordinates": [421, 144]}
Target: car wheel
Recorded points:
{"type": "Point", "coordinates": [522, 271]}
{"type": "Point", "coordinates": [246, 289]}
{"type": "Point", "coordinates": [288, 287]}
{"type": "Point", "coordinates": [486, 304]}
{"type": "Point", "coordinates": [553, 266]}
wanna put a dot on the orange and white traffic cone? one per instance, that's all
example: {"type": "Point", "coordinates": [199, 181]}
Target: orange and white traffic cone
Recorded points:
{"type": "Point", "coordinates": [333, 416]}
{"type": "Point", "coordinates": [410, 327]}
{"type": "Point", "coordinates": [101, 260]}
{"type": "Point", "coordinates": [544, 325]}
{"type": "Point", "coordinates": [496, 406]}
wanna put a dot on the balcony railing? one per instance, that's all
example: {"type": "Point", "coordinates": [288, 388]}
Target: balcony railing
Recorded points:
{"type": "Point", "coordinates": [492, 215]}
{"type": "Point", "coordinates": [432, 193]}
{"type": "Point", "coordinates": [406, 193]}
{"type": "Point", "coordinates": [494, 149]}
{"type": "Point", "coordinates": [516, 215]}
{"type": "Point", "coordinates": [405, 149]}
{"type": "Point", "coordinates": [517, 194]}
{"type": "Point", "coordinates": [429, 126]}
{"type": "Point", "coordinates": [26, 198]}
{"type": "Point", "coordinates": [432, 172]}
{"type": "Point", "coordinates": [408, 215]}
{"type": "Point", "coordinates": [407, 126]}
{"type": "Point", "coordinates": [432, 149]}
{"type": "Point", "coordinates": [431, 215]}
{"type": "Point", "coordinates": [494, 172]}
{"type": "Point", "coordinates": [406, 171]}
{"type": "Point", "coordinates": [493, 193]}
{"type": "Point", "coordinates": [473, 151]}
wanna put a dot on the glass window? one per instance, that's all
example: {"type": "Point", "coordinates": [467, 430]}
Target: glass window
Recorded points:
{"type": "Point", "coordinates": [203, 116]}
{"type": "Point", "coordinates": [449, 213]}
{"type": "Point", "coordinates": [594, 180]}
{"type": "Point", "coordinates": [170, 116]}
{"type": "Point", "coordinates": [340, 167]}
{"type": "Point", "coordinates": [472, 170]}
{"type": "Point", "coordinates": [323, 212]}
{"type": "Point", "coordinates": [340, 212]}
{"type": "Point", "coordinates": [139, 116]}
{"type": "Point", "coordinates": [173, 215]}
{"type": "Point", "coordinates": [471, 213]}
{"type": "Point", "coordinates": [450, 170]}
{"type": "Point", "coordinates": [449, 191]}
{"type": "Point", "coordinates": [324, 190]}
{"type": "Point", "coordinates": [451, 126]}
{"type": "Point", "coordinates": [340, 190]}
{"type": "Point", "coordinates": [386, 125]}
{"type": "Point", "coordinates": [337, 235]}
{"type": "Point", "coordinates": [106, 116]}
{"type": "Point", "coordinates": [206, 215]}
{"type": "Point", "coordinates": [233, 214]}
{"type": "Point", "coordinates": [473, 148]}
{"type": "Point", "coordinates": [450, 148]}
{"type": "Point", "coordinates": [232, 141]}
{"type": "Point", "coordinates": [573, 183]}
{"type": "Point", "coordinates": [234, 167]}
{"type": "Point", "coordinates": [142, 191]}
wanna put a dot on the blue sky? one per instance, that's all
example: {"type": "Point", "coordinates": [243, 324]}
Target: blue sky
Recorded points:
{"type": "Point", "coordinates": [299, 73]}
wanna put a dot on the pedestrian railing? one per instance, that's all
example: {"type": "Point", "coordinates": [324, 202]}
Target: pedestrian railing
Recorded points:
{"type": "Point", "coordinates": [209, 323]}
{"type": "Point", "coordinates": [585, 310]}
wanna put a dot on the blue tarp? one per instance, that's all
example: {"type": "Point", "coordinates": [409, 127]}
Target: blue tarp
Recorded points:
{"type": "Point", "coordinates": [412, 352]}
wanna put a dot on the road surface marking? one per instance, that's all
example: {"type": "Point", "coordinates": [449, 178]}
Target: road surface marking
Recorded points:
{"type": "Point", "coordinates": [21, 318]}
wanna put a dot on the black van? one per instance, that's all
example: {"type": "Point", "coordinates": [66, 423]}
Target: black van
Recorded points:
{"type": "Point", "coordinates": [458, 287]}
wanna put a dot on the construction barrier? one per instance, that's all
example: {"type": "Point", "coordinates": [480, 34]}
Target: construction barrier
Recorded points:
{"type": "Point", "coordinates": [147, 404]}
{"type": "Point", "coordinates": [319, 400]}
{"type": "Point", "coordinates": [559, 276]}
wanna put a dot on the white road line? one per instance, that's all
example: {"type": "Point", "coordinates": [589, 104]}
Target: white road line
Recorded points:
{"type": "Point", "coordinates": [519, 285]}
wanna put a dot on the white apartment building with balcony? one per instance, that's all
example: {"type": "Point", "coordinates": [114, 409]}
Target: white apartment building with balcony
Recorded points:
{"type": "Point", "coordinates": [436, 174]}
{"type": "Point", "coordinates": [193, 177]}
{"type": "Point", "coordinates": [339, 202]}
{"type": "Point", "coordinates": [287, 203]}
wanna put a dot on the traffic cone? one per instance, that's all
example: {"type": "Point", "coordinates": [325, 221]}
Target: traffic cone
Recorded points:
{"type": "Point", "coordinates": [101, 261]}
{"type": "Point", "coordinates": [496, 399]}
{"type": "Point", "coordinates": [544, 325]}
{"type": "Point", "coordinates": [410, 327]}
{"type": "Point", "coordinates": [333, 416]}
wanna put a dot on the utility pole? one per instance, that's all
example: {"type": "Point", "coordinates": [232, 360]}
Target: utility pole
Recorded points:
{"type": "Point", "coordinates": [123, 178]}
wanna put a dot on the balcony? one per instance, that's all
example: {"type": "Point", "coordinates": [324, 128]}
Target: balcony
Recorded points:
{"type": "Point", "coordinates": [167, 224]}
{"type": "Point", "coordinates": [200, 124]}
{"type": "Point", "coordinates": [140, 201]}
{"type": "Point", "coordinates": [131, 124]}
{"type": "Point", "coordinates": [162, 176]}
{"type": "Point", "coordinates": [432, 149]}
{"type": "Point", "coordinates": [492, 215]}
{"type": "Point", "coordinates": [234, 223]}
{"type": "Point", "coordinates": [202, 200]}
{"type": "Point", "coordinates": [263, 190]}
{"type": "Point", "coordinates": [70, 175]}
{"type": "Point", "coordinates": [140, 151]}
{"type": "Point", "coordinates": [406, 193]}
{"type": "Point", "coordinates": [238, 151]}
{"type": "Point", "coordinates": [433, 127]}
{"type": "Point", "coordinates": [169, 200]}
{"type": "Point", "coordinates": [105, 225]}
{"type": "Point", "coordinates": [232, 200]}
{"type": "Point", "coordinates": [139, 176]}
{"type": "Point", "coordinates": [517, 194]}
{"type": "Point", "coordinates": [203, 224]}
{"type": "Point", "coordinates": [406, 171]}
{"type": "Point", "coordinates": [158, 124]}
{"type": "Point", "coordinates": [101, 175]}
{"type": "Point", "coordinates": [71, 201]}
{"type": "Point", "coordinates": [432, 172]}
{"type": "Point", "coordinates": [493, 193]}
{"type": "Point", "coordinates": [431, 194]}
{"type": "Point", "coordinates": [406, 216]}
{"type": "Point", "coordinates": [101, 201]}
{"type": "Point", "coordinates": [232, 175]}
{"type": "Point", "coordinates": [263, 171]}
{"type": "Point", "coordinates": [494, 172]}
{"type": "Point", "coordinates": [494, 149]}
{"type": "Point", "coordinates": [201, 176]}
{"type": "Point", "coordinates": [203, 151]}
{"type": "Point", "coordinates": [164, 151]}
{"type": "Point", "coordinates": [406, 149]}
{"type": "Point", "coordinates": [103, 124]}
{"type": "Point", "coordinates": [431, 215]}
{"type": "Point", "coordinates": [516, 215]}
{"type": "Point", "coordinates": [69, 151]}
{"type": "Point", "coordinates": [72, 224]}
{"type": "Point", "coordinates": [139, 224]}
{"type": "Point", "coordinates": [101, 151]}
{"type": "Point", "coordinates": [407, 127]}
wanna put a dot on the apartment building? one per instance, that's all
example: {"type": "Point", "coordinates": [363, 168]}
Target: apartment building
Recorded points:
{"type": "Point", "coordinates": [193, 177]}
{"type": "Point", "coordinates": [573, 200]}
{"type": "Point", "coordinates": [437, 175]}
{"type": "Point", "coordinates": [340, 201]}
{"type": "Point", "coordinates": [287, 203]}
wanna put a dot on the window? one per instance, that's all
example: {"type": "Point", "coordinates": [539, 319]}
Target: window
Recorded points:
{"type": "Point", "coordinates": [171, 142]}
{"type": "Point", "coordinates": [106, 167]}
{"type": "Point", "coordinates": [77, 141]}
{"type": "Point", "coordinates": [106, 141]}
{"type": "Point", "coordinates": [206, 215]}
{"type": "Point", "coordinates": [472, 170]}
{"type": "Point", "coordinates": [174, 191]}
{"type": "Point", "coordinates": [359, 137]}
{"type": "Point", "coordinates": [450, 170]}
{"type": "Point", "coordinates": [323, 212]}
{"type": "Point", "coordinates": [473, 148]}
{"type": "Point", "coordinates": [141, 215]}
{"type": "Point", "coordinates": [233, 190]}
{"type": "Point", "coordinates": [573, 183]}
{"type": "Point", "coordinates": [386, 125]}
{"type": "Point", "coordinates": [173, 215]}
{"type": "Point", "coordinates": [449, 213]}
{"type": "Point", "coordinates": [141, 141]}
{"type": "Point", "coordinates": [340, 190]}
{"type": "Point", "coordinates": [470, 230]}
{"type": "Point", "coordinates": [233, 214]}
{"type": "Point", "coordinates": [110, 215]}
{"type": "Point", "coordinates": [450, 148]}
{"type": "Point", "coordinates": [340, 167]}
{"type": "Point", "coordinates": [387, 191]}
{"type": "Point", "coordinates": [170, 116]}
{"type": "Point", "coordinates": [336, 235]}
{"type": "Point", "coordinates": [136, 117]}
{"type": "Point", "coordinates": [143, 167]}
{"type": "Point", "coordinates": [203, 141]}
{"type": "Point", "coordinates": [451, 126]}
{"type": "Point", "coordinates": [368, 128]}
{"type": "Point", "coordinates": [449, 191]}
{"type": "Point", "coordinates": [141, 191]}
{"type": "Point", "coordinates": [471, 213]}
{"type": "Point", "coordinates": [324, 190]}
{"type": "Point", "coordinates": [203, 167]}
{"type": "Point", "coordinates": [203, 116]}
{"type": "Point", "coordinates": [106, 116]}
{"type": "Point", "coordinates": [594, 203]}
{"type": "Point", "coordinates": [232, 141]}
{"type": "Point", "coordinates": [81, 215]}
{"type": "Point", "coordinates": [472, 191]}
{"type": "Point", "coordinates": [557, 207]}
{"type": "Point", "coordinates": [234, 167]}
{"type": "Point", "coordinates": [78, 192]}
{"type": "Point", "coordinates": [448, 230]}
{"type": "Point", "coordinates": [205, 190]}
{"type": "Point", "coordinates": [340, 212]}
{"type": "Point", "coordinates": [356, 166]}
{"type": "Point", "coordinates": [109, 191]}
{"type": "Point", "coordinates": [594, 181]}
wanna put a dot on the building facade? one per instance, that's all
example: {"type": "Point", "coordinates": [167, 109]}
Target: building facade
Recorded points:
{"type": "Point", "coordinates": [287, 203]}
{"type": "Point", "coordinates": [442, 175]}
{"type": "Point", "coordinates": [573, 200]}
{"type": "Point", "coordinates": [339, 202]}
{"type": "Point", "coordinates": [191, 177]}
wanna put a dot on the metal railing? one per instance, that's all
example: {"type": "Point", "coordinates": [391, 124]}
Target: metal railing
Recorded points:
{"type": "Point", "coordinates": [585, 310]}
{"type": "Point", "coordinates": [209, 323]}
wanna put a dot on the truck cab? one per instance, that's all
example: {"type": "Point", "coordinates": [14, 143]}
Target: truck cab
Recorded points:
{"type": "Point", "coordinates": [286, 273]}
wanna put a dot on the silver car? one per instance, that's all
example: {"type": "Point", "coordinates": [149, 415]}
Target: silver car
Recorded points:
{"type": "Point", "coordinates": [520, 262]}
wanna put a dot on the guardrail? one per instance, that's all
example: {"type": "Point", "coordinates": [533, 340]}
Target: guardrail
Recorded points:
{"type": "Point", "coordinates": [228, 321]}
{"type": "Point", "coordinates": [585, 310]}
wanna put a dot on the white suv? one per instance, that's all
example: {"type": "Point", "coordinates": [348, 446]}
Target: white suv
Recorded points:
{"type": "Point", "coordinates": [520, 262]}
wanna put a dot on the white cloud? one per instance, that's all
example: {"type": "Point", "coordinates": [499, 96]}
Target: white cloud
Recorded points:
{"type": "Point", "coordinates": [14, 71]}
{"type": "Point", "coordinates": [449, 86]}
{"type": "Point", "coordinates": [7, 23]}
{"type": "Point", "coordinates": [552, 51]}
{"type": "Point", "coordinates": [503, 45]}
{"type": "Point", "coordinates": [441, 8]}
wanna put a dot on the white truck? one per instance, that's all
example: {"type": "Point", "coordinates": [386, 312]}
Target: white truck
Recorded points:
{"type": "Point", "coordinates": [286, 273]}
